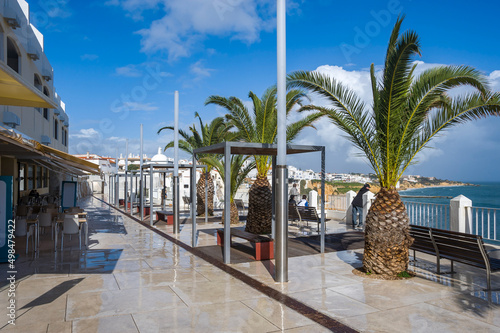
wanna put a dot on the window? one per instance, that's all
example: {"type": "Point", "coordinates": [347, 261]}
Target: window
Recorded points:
{"type": "Point", "coordinates": [45, 110]}
{"type": "Point", "coordinates": [30, 177]}
{"type": "Point", "coordinates": [63, 136]}
{"type": "Point", "coordinates": [21, 178]}
{"type": "Point", "coordinates": [38, 176]}
{"type": "Point", "coordinates": [56, 128]}
{"type": "Point", "coordinates": [45, 177]}
{"type": "Point", "coordinates": [1, 44]}
{"type": "Point", "coordinates": [66, 138]}
{"type": "Point", "coordinates": [13, 60]}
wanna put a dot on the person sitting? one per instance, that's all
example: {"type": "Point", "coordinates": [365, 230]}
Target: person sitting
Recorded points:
{"type": "Point", "coordinates": [303, 202]}
{"type": "Point", "coordinates": [292, 200]}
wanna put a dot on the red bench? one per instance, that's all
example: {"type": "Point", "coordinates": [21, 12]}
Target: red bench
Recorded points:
{"type": "Point", "coordinates": [163, 215]}
{"type": "Point", "coordinates": [263, 245]}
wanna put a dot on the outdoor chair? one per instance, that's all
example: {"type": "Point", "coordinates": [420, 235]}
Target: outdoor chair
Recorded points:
{"type": "Point", "coordinates": [71, 226]}
{"type": "Point", "coordinates": [22, 230]}
{"type": "Point", "coordinates": [45, 220]}
{"type": "Point", "coordinates": [22, 210]}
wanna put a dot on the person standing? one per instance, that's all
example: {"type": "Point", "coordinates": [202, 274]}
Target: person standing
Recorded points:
{"type": "Point", "coordinates": [295, 192]}
{"type": "Point", "coordinates": [357, 207]}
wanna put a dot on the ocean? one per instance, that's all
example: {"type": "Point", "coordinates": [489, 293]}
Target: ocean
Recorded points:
{"type": "Point", "coordinates": [483, 194]}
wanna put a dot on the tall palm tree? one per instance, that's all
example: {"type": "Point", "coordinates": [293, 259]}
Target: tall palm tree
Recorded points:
{"type": "Point", "coordinates": [261, 127]}
{"type": "Point", "coordinates": [214, 132]}
{"type": "Point", "coordinates": [239, 171]}
{"type": "Point", "coordinates": [408, 111]}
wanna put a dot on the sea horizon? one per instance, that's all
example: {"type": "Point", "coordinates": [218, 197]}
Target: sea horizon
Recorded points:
{"type": "Point", "coordinates": [482, 194]}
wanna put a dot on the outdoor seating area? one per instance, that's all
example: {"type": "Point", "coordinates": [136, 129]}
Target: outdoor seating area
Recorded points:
{"type": "Point", "coordinates": [32, 221]}
{"type": "Point", "coordinates": [455, 246]}
{"type": "Point", "coordinates": [137, 278]}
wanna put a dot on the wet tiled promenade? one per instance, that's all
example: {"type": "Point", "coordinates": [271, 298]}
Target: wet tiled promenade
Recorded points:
{"type": "Point", "coordinates": [133, 279]}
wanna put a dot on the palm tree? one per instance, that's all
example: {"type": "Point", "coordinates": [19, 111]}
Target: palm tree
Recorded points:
{"type": "Point", "coordinates": [408, 111]}
{"type": "Point", "coordinates": [212, 133]}
{"type": "Point", "coordinates": [261, 127]}
{"type": "Point", "coordinates": [239, 171]}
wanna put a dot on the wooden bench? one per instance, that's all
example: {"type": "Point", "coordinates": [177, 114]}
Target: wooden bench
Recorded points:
{"type": "Point", "coordinates": [309, 214]}
{"type": "Point", "coordinates": [293, 214]}
{"type": "Point", "coordinates": [240, 206]}
{"type": "Point", "coordinates": [164, 215]}
{"type": "Point", "coordinates": [263, 245]}
{"type": "Point", "coordinates": [455, 246]}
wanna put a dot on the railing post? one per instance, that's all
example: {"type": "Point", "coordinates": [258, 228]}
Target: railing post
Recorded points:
{"type": "Point", "coordinates": [348, 214]}
{"type": "Point", "coordinates": [313, 199]}
{"type": "Point", "coordinates": [367, 203]}
{"type": "Point", "coordinates": [460, 217]}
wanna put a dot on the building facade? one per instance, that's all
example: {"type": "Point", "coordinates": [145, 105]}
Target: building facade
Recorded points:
{"type": "Point", "coordinates": [28, 79]}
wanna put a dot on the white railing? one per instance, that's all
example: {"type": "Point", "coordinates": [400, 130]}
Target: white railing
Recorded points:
{"type": "Point", "coordinates": [484, 222]}
{"type": "Point", "coordinates": [337, 202]}
{"type": "Point", "coordinates": [428, 214]}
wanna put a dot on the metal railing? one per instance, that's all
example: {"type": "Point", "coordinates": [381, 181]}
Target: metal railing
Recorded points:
{"type": "Point", "coordinates": [428, 214]}
{"type": "Point", "coordinates": [484, 222]}
{"type": "Point", "coordinates": [337, 202]}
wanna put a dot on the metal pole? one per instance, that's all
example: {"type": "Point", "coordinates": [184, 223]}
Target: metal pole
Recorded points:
{"type": "Point", "coordinates": [141, 183]}
{"type": "Point", "coordinates": [176, 163]}
{"type": "Point", "coordinates": [132, 194]}
{"type": "Point", "coordinates": [206, 194]}
{"type": "Point", "coordinates": [151, 194]}
{"type": "Point", "coordinates": [227, 203]}
{"type": "Point", "coordinates": [164, 191]}
{"type": "Point", "coordinates": [117, 182]}
{"type": "Point", "coordinates": [273, 190]}
{"type": "Point", "coordinates": [323, 226]}
{"type": "Point", "coordinates": [117, 190]}
{"type": "Point", "coordinates": [125, 201]}
{"type": "Point", "coordinates": [281, 194]}
{"type": "Point", "coordinates": [175, 204]}
{"type": "Point", "coordinates": [192, 188]}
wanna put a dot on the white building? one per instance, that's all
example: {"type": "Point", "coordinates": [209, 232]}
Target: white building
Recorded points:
{"type": "Point", "coordinates": [33, 120]}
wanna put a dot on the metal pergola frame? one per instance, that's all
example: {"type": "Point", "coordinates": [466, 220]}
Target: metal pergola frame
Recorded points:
{"type": "Point", "coordinates": [175, 198]}
{"type": "Point", "coordinates": [243, 148]}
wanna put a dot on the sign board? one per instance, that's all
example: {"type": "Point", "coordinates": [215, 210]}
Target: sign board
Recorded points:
{"type": "Point", "coordinates": [6, 194]}
{"type": "Point", "coordinates": [68, 195]}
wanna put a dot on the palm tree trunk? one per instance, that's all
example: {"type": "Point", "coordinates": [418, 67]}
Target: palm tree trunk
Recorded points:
{"type": "Point", "coordinates": [233, 212]}
{"type": "Point", "coordinates": [200, 195]}
{"type": "Point", "coordinates": [387, 239]}
{"type": "Point", "coordinates": [259, 219]}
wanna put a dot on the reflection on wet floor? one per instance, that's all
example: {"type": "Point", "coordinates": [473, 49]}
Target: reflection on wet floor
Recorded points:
{"type": "Point", "coordinates": [133, 279]}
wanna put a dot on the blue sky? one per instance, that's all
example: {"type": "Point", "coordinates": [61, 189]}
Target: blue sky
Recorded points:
{"type": "Point", "coordinates": [118, 62]}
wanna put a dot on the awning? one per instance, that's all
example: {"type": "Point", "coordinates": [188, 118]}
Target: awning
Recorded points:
{"type": "Point", "coordinates": [14, 145]}
{"type": "Point", "coordinates": [14, 90]}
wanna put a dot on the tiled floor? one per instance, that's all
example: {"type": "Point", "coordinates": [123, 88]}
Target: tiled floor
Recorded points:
{"type": "Point", "coordinates": [132, 279]}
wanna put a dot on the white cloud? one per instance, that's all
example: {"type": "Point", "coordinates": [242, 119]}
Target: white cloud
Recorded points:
{"type": "Point", "coordinates": [54, 9]}
{"type": "Point", "coordinates": [495, 80]}
{"type": "Point", "coordinates": [200, 71]}
{"type": "Point", "coordinates": [128, 71]}
{"type": "Point", "coordinates": [89, 57]}
{"type": "Point", "coordinates": [134, 106]}
{"type": "Point", "coordinates": [185, 24]}
{"type": "Point", "coordinates": [341, 154]}
{"type": "Point", "coordinates": [87, 133]}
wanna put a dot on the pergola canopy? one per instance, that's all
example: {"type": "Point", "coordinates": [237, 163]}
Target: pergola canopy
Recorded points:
{"type": "Point", "coordinates": [245, 148]}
